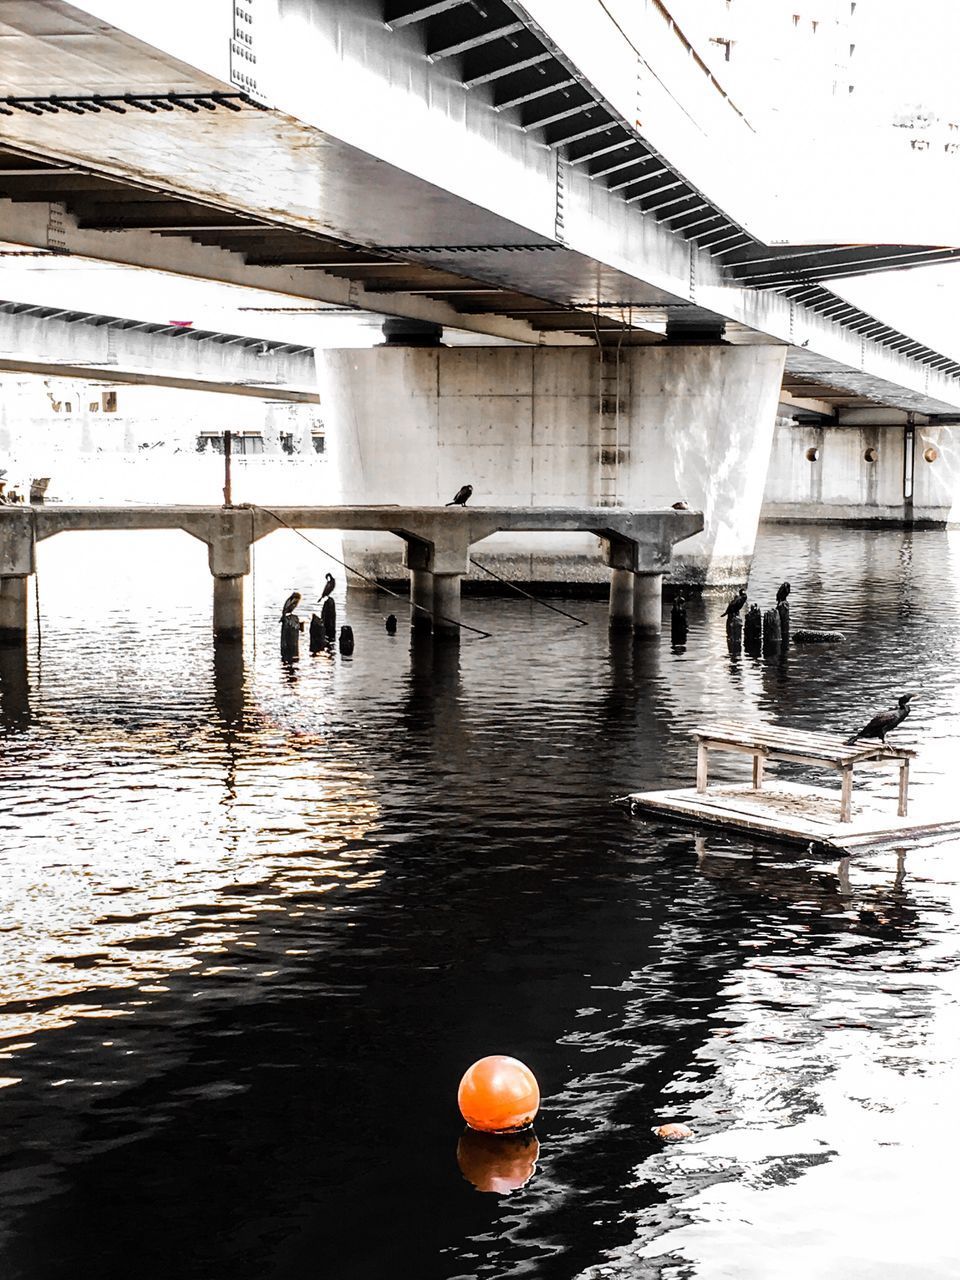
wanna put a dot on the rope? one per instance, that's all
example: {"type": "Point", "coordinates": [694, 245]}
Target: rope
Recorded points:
{"type": "Point", "coordinates": [484, 635]}
{"type": "Point", "coordinates": [36, 597]}
{"type": "Point", "coordinates": [253, 592]}
{"type": "Point", "coordinates": [582, 622]}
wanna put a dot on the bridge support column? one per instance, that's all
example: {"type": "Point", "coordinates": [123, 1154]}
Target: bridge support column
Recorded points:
{"type": "Point", "coordinates": [647, 603]}
{"type": "Point", "coordinates": [621, 600]}
{"type": "Point", "coordinates": [446, 605]}
{"type": "Point", "coordinates": [13, 610]}
{"type": "Point", "coordinates": [523, 426]}
{"type": "Point", "coordinates": [228, 535]}
{"type": "Point", "coordinates": [228, 608]}
{"type": "Point", "coordinates": [421, 599]}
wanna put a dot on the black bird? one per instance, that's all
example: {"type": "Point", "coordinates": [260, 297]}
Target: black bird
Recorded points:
{"type": "Point", "coordinates": [782, 592]}
{"type": "Point", "coordinates": [329, 585]}
{"type": "Point", "coordinates": [736, 604]}
{"type": "Point", "coordinates": [886, 721]}
{"type": "Point", "coordinates": [291, 602]}
{"type": "Point", "coordinates": [461, 496]}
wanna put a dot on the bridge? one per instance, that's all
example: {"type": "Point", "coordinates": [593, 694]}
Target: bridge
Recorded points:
{"type": "Point", "coordinates": [636, 545]}
{"type": "Point", "coordinates": [453, 164]}
{"type": "Point", "coordinates": [58, 342]}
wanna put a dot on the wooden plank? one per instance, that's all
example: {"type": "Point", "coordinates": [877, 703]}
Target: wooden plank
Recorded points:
{"type": "Point", "coordinates": [702, 752]}
{"type": "Point", "coordinates": [904, 785]}
{"type": "Point", "coordinates": [846, 791]}
{"type": "Point", "coordinates": [798, 741]}
{"type": "Point", "coordinates": [758, 733]}
{"type": "Point", "coordinates": [757, 772]}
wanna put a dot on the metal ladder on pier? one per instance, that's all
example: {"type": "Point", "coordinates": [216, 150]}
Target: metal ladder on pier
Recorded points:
{"type": "Point", "coordinates": [609, 452]}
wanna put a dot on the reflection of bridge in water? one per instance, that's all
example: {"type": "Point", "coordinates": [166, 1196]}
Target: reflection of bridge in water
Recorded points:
{"type": "Point", "coordinates": [637, 546]}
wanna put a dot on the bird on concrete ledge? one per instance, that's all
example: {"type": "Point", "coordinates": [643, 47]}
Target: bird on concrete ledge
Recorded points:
{"type": "Point", "coordinates": [328, 586]}
{"type": "Point", "coordinates": [680, 506]}
{"type": "Point", "coordinates": [291, 602]}
{"type": "Point", "coordinates": [461, 496]}
{"type": "Point", "coordinates": [736, 604]}
{"type": "Point", "coordinates": [886, 721]}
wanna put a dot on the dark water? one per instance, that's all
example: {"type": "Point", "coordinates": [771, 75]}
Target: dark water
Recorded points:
{"type": "Point", "coordinates": [257, 921]}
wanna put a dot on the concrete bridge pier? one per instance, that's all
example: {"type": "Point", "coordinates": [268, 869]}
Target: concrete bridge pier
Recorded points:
{"type": "Point", "coordinates": [13, 610]}
{"type": "Point", "coordinates": [229, 536]}
{"type": "Point", "coordinates": [647, 603]}
{"type": "Point", "coordinates": [446, 605]}
{"type": "Point", "coordinates": [228, 607]}
{"type": "Point", "coordinates": [421, 599]}
{"type": "Point", "coordinates": [17, 564]}
{"type": "Point", "coordinates": [621, 599]}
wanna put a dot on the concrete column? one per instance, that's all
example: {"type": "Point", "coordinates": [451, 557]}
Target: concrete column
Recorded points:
{"type": "Point", "coordinates": [421, 593]}
{"type": "Point", "coordinates": [446, 605]}
{"type": "Point", "coordinates": [13, 610]}
{"type": "Point", "coordinates": [647, 603]}
{"type": "Point", "coordinates": [521, 425]}
{"type": "Point", "coordinates": [621, 600]}
{"type": "Point", "coordinates": [228, 608]}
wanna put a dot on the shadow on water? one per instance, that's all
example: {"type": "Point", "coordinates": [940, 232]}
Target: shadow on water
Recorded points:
{"type": "Point", "coordinates": [311, 904]}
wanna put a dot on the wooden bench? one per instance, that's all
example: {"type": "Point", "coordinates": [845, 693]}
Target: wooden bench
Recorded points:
{"type": "Point", "coordinates": [765, 743]}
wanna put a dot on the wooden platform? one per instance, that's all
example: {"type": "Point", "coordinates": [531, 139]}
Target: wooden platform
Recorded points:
{"type": "Point", "coordinates": [794, 814]}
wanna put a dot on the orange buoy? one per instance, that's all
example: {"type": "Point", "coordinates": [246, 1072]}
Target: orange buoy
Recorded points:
{"type": "Point", "coordinates": [498, 1162]}
{"type": "Point", "coordinates": [498, 1094]}
{"type": "Point", "coordinates": [672, 1132]}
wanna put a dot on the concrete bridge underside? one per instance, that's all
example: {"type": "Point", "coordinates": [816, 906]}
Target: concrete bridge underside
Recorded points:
{"type": "Point", "coordinates": [636, 545]}
{"type": "Point", "coordinates": [456, 166]}
{"type": "Point", "coordinates": [57, 342]}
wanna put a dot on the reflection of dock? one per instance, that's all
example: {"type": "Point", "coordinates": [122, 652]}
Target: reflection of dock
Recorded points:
{"type": "Point", "coordinates": [792, 813]}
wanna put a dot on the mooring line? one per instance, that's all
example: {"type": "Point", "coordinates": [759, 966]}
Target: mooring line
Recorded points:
{"type": "Point", "coordinates": [520, 591]}
{"type": "Point", "coordinates": [484, 635]}
{"type": "Point", "coordinates": [36, 598]}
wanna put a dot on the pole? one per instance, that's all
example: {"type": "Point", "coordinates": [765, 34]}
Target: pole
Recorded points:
{"type": "Point", "coordinates": [227, 484]}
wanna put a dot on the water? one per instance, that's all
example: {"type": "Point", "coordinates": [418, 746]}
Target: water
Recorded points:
{"type": "Point", "coordinates": [256, 921]}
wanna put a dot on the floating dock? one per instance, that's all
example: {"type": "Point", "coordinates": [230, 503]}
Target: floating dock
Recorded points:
{"type": "Point", "coordinates": [793, 814]}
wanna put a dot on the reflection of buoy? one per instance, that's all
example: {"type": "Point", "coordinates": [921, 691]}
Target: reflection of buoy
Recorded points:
{"type": "Point", "coordinates": [498, 1094]}
{"type": "Point", "coordinates": [498, 1162]}
{"type": "Point", "coordinates": [673, 1132]}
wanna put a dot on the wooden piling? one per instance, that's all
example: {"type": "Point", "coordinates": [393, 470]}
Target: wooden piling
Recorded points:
{"type": "Point", "coordinates": [346, 641]}
{"type": "Point", "coordinates": [783, 609]}
{"type": "Point", "coordinates": [678, 622]}
{"type": "Point", "coordinates": [771, 631]}
{"type": "Point", "coordinates": [318, 636]}
{"type": "Point", "coordinates": [328, 617]}
{"type": "Point", "coordinates": [290, 636]}
{"type": "Point", "coordinates": [753, 629]}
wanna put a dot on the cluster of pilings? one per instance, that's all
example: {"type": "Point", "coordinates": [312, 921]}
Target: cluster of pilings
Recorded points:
{"type": "Point", "coordinates": [764, 632]}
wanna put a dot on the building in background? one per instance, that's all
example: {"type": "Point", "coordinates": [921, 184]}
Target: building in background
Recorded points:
{"type": "Point", "coordinates": [107, 442]}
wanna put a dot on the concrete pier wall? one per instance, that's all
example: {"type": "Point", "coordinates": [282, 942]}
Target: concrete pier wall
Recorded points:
{"type": "Point", "coordinates": [548, 426]}
{"type": "Point", "coordinates": [862, 471]}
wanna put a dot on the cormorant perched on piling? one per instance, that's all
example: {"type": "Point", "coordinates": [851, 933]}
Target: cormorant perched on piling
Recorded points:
{"type": "Point", "coordinates": [461, 496]}
{"type": "Point", "coordinates": [736, 604]}
{"type": "Point", "coordinates": [782, 592]}
{"type": "Point", "coordinates": [885, 722]}
{"type": "Point", "coordinates": [329, 585]}
{"type": "Point", "coordinates": [291, 602]}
